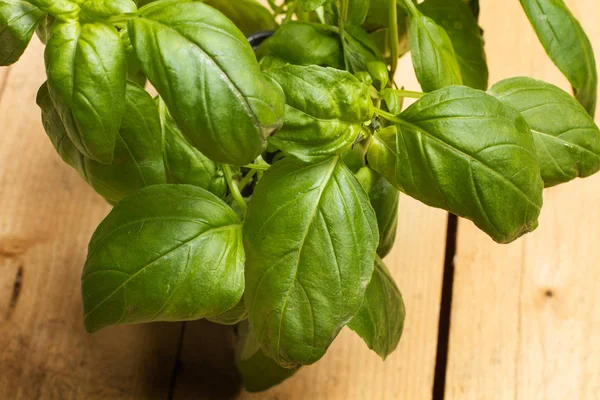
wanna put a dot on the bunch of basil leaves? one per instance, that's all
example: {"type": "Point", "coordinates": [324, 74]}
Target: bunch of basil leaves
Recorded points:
{"type": "Point", "coordinates": [261, 189]}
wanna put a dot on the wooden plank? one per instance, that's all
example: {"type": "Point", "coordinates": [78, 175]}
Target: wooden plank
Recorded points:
{"type": "Point", "coordinates": [350, 370]}
{"type": "Point", "coordinates": [47, 215]}
{"type": "Point", "coordinates": [526, 317]}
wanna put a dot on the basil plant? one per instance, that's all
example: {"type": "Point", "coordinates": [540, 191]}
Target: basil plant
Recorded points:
{"type": "Point", "coordinates": [260, 187]}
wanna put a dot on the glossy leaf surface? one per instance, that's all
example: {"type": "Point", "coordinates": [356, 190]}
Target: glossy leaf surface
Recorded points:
{"type": "Point", "coordinates": [18, 21]}
{"type": "Point", "coordinates": [567, 140]}
{"type": "Point", "coordinates": [310, 237]}
{"type": "Point", "coordinates": [207, 74]}
{"type": "Point", "coordinates": [462, 150]}
{"type": "Point", "coordinates": [166, 253]}
{"type": "Point", "coordinates": [86, 72]}
{"type": "Point", "coordinates": [138, 160]}
{"type": "Point", "coordinates": [433, 56]}
{"type": "Point", "coordinates": [248, 15]}
{"type": "Point", "coordinates": [184, 163]}
{"type": "Point", "coordinates": [567, 45]}
{"type": "Point", "coordinates": [324, 111]}
{"type": "Point", "coordinates": [303, 43]}
{"type": "Point", "coordinates": [455, 17]}
{"type": "Point", "coordinates": [380, 319]}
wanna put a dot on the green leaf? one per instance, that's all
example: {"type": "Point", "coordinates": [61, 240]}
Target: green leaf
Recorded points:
{"type": "Point", "coordinates": [377, 25]}
{"type": "Point", "coordinates": [134, 66]}
{"type": "Point", "coordinates": [566, 138]}
{"type": "Point", "coordinates": [248, 15]}
{"type": "Point", "coordinates": [184, 163]}
{"type": "Point", "coordinates": [63, 10]}
{"type": "Point", "coordinates": [44, 28]}
{"type": "Point", "coordinates": [310, 5]}
{"type": "Point", "coordinates": [380, 319]}
{"type": "Point", "coordinates": [455, 17]}
{"type": "Point", "coordinates": [206, 72]}
{"type": "Point", "coordinates": [258, 371]}
{"type": "Point", "coordinates": [166, 253]}
{"type": "Point", "coordinates": [303, 43]}
{"type": "Point", "coordinates": [310, 236]}
{"type": "Point", "coordinates": [433, 56]}
{"type": "Point", "coordinates": [18, 21]}
{"type": "Point", "coordinates": [567, 45]}
{"type": "Point", "coordinates": [384, 200]}
{"type": "Point", "coordinates": [324, 111]}
{"type": "Point", "coordinates": [360, 50]}
{"type": "Point", "coordinates": [86, 71]}
{"type": "Point", "coordinates": [100, 10]}
{"type": "Point", "coordinates": [138, 153]}
{"type": "Point", "coordinates": [393, 100]}
{"type": "Point", "coordinates": [462, 150]}
{"type": "Point", "coordinates": [355, 158]}
{"type": "Point", "coordinates": [357, 11]}
{"type": "Point", "coordinates": [474, 7]}
{"type": "Point", "coordinates": [232, 316]}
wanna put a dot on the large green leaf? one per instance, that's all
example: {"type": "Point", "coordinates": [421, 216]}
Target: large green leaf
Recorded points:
{"type": "Point", "coordinates": [18, 21]}
{"type": "Point", "coordinates": [138, 160]}
{"type": "Point", "coordinates": [462, 150]}
{"type": "Point", "coordinates": [232, 316]}
{"type": "Point", "coordinates": [258, 371]}
{"type": "Point", "coordinates": [86, 72]}
{"type": "Point", "coordinates": [433, 56]}
{"type": "Point", "coordinates": [248, 15]}
{"type": "Point", "coordinates": [455, 17]}
{"type": "Point", "coordinates": [302, 43]}
{"type": "Point", "coordinates": [384, 199]}
{"type": "Point", "coordinates": [184, 163]}
{"type": "Point", "coordinates": [566, 138]}
{"type": "Point", "coordinates": [357, 11]}
{"type": "Point", "coordinates": [324, 112]}
{"type": "Point", "coordinates": [166, 253]}
{"type": "Point", "coordinates": [567, 45]}
{"type": "Point", "coordinates": [380, 319]}
{"type": "Point", "coordinates": [310, 237]}
{"type": "Point", "coordinates": [102, 10]}
{"type": "Point", "coordinates": [207, 74]}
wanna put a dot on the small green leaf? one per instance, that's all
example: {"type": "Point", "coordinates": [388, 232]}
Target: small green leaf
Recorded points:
{"type": "Point", "coordinates": [433, 56]}
{"type": "Point", "coordinates": [166, 253]}
{"type": "Point", "coordinates": [184, 163]}
{"type": "Point", "coordinates": [258, 371]}
{"type": "Point", "coordinates": [357, 11]}
{"type": "Point", "coordinates": [18, 21]}
{"type": "Point", "coordinates": [302, 43]}
{"type": "Point", "coordinates": [462, 150]}
{"type": "Point", "coordinates": [44, 28]}
{"type": "Point", "coordinates": [455, 17]}
{"type": "Point", "coordinates": [360, 50]}
{"type": "Point", "coordinates": [393, 100]}
{"type": "Point", "coordinates": [566, 138]}
{"type": "Point", "coordinates": [310, 236]}
{"type": "Point", "coordinates": [138, 153]}
{"type": "Point", "coordinates": [384, 199]}
{"type": "Point", "coordinates": [324, 111]}
{"type": "Point", "coordinates": [567, 45]}
{"type": "Point", "coordinates": [355, 158]}
{"type": "Point", "coordinates": [248, 15]}
{"type": "Point", "coordinates": [86, 72]}
{"type": "Point", "coordinates": [380, 319]}
{"type": "Point", "coordinates": [206, 72]}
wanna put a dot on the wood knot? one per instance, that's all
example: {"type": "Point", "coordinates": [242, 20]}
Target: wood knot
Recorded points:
{"type": "Point", "coordinates": [13, 246]}
{"type": "Point", "coordinates": [549, 293]}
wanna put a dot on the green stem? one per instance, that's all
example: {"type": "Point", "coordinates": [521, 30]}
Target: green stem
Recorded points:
{"type": "Point", "coordinates": [409, 93]}
{"type": "Point", "coordinates": [289, 13]}
{"type": "Point", "coordinates": [341, 18]}
{"type": "Point", "coordinates": [260, 167]}
{"type": "Point", "coordinates": [391, 117]}
{"type": "Point", "coordinates": [247, 179]}
{"type": "Point", "coordinates": [330, 28]}
{"type": "Point", "coordinates": [393, 32]}
{"type": "Point", "coordinates": [233, 188]}
{"type": "Point", "coordinates": [414, 11]}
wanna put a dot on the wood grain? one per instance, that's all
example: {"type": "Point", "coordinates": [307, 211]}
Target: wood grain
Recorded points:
{"type": "Point", "coordinates": [47, 215]}
{"type": "Point", "coordinates": [526, 317]}
{"type": "Point", "coordinates": [350, 370]}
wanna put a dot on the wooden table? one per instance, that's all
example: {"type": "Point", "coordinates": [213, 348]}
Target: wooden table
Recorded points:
{"type": "Point", "coordinates": [520, 321]}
